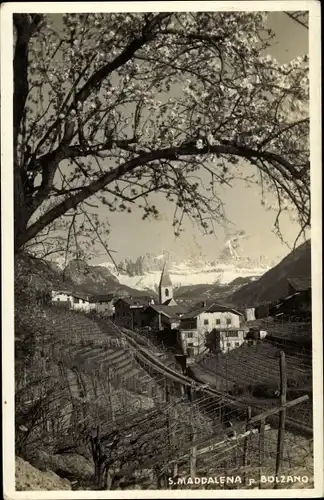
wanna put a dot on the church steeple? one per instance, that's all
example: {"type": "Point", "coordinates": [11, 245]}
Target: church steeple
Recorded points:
{"type": "Point", "coordinates": [165, 287]}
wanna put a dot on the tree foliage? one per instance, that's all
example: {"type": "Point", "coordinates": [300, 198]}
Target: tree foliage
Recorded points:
{"type": "Point", "coordinates": [109, 108]}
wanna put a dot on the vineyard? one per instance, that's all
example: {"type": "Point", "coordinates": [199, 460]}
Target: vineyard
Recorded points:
{"type": "Point", "coordinates": [252, 374]}
{"type": "Point", "coordinates": [250, 364]}
{"type": "Point", "coordinates": [78, 379]}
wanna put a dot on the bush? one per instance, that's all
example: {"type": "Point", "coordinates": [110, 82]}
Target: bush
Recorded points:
{"type": "Point", "coordinates": [264, 390]}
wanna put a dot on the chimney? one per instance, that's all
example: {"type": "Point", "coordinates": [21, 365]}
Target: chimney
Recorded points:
{"type": "Point", "coordinates": [204, 303]}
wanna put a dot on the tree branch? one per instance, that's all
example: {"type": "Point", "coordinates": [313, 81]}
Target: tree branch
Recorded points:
{"type": "Point", "coordinates": [294, 17]}
{"type": "Point", "coordinates": [172, 153]}
{"type": "Point", "coordinates": [95, 81]}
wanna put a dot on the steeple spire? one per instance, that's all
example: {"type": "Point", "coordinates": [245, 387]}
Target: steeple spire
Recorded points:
{"type": "Point", "coordinates": [165, 286]}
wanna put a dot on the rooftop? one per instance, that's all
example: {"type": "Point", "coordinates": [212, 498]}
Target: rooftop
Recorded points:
{"type": "Point", "coordinates": [134, 302]}
{"type": "Point", "coordinates": [300, 284]}
{"type": "Point", "coordinates": [108, 297]}
{"type": "Point", "coordinates": [213, 308]}
{"type": "Point", "coordinates": [169, 311]}
{"type": "Point", "coordinates": [168, 302]}
{"type": "Point", "coordinates": [165, 278]}
{"type": "Point", "coordinates": [77, 295]}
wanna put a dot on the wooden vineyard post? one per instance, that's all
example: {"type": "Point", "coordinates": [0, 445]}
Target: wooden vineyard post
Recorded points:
{"type": "Point", "coordinates": [217, 380]}
{"type": "Point", "coordinates": [246, 442]}
{"type": "Point", "coordinates": [110, 396]}
{"type": "Point", "coordinates": [226, 371]}
{"type": "Point", "coordinates": [193, 454]}
{"type": "Point", "coordinates": [173, 434]}
{"type": "Point", "coordinates": [282, 413]}
{"type": "Point", "coordinates": [171, 431]}
{"type": "Point", "coordinates": [261, 449]}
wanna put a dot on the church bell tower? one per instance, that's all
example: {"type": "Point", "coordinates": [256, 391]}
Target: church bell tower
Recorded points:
{"type": "Point", "coordinates": [165, 287]}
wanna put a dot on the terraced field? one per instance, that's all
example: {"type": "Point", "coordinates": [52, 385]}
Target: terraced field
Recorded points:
{"type": "Point", "coordinates": [81, 345]}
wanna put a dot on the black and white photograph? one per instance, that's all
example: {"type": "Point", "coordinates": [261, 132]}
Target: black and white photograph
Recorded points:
{"type": "Point", "coordinates": [161, 215]}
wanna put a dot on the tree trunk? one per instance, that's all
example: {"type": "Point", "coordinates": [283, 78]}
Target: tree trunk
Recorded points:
{"type": "Point", "coordinates": [20, 209]}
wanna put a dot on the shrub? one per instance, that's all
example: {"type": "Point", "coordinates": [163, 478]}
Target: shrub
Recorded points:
{"type": "Point", "coordinates": [264, 390]}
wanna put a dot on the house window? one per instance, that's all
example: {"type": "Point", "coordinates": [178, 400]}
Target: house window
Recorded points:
{"type": "Point", "coordinates": [166, 292]}
{"type": "Point", "coordinates": [218, 322]}
{"type": "Point", "coordinates": [237, 344]}
{"type": "Point", "coordinates": [228, 321]}
{"type": "Point", "coordinates": [189, 344]}
{"type": "Point", "coordinates": [189, 335]}
{"type": "Point", "coordinates": [232, 334]}
{"type": "Point", "coordinates": [188, 324]}
{"type": "Point", "coordinates": [206, 322]}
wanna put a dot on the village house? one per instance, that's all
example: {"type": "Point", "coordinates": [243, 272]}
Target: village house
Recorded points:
{"type": "Point", "coordinates": [225, 340]}
{"type": "Point", "coordinates": [162, 316]}
{"type": "Point", "coordinates": [62, 297]}
{"type": "Point", "coordinates": [224, 321]}
{"type": "Point", "coordinates": [297, 305]}
{"type": "Point", "coordinates": [300, 285]}
{"type": "Point", "coordinates": [294, 307]}
{"type": "Point", "coordinates": [103, 303]}
{"type": "Point", "coordinates": [128, 311]}
{"type": "Point", "coordinates": [296, 301]}
{"type": "Point", "coordinates": [77, 301]}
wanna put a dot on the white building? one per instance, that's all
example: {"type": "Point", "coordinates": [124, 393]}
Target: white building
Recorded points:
{"type": "Point", "coordinates": [73, 300]}
{"type": "Point", "coordinates": [224, 340]}
{"type": "Point", "coordinates": [250, 314]}
{"type": "Point", "coordinates": [104, 303]}
{"type": "Point", "coordinates": [196, 325]}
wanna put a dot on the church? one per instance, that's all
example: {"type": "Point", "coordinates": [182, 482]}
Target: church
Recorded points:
{"type": "Point", "coordinates": [166, 289]}
{"type": "Point", "coordinates": [166, 314]}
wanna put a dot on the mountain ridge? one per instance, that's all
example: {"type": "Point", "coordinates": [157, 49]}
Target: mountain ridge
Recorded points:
{"type": "Point", "coordinates": [273, 284]}
{"type": "Point", "coordinates": [237, 280]}
{"type": "Point", "coordinates": [144, 272]}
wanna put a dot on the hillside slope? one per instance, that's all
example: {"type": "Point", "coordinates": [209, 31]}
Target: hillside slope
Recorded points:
{"type": "Point", "coordinates": [273, 284]}
{"type": "Point", "coordinates": [35, 274]}
{"type": "Point", "coordinates": [78, 276]}
{"type": "Point", "coordinates": [215, 291]}
{"type": "Point", "coordinates": [98, 279]}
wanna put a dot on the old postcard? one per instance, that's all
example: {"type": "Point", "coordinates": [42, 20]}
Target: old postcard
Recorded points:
{"type": "Point", "coordinates": [161, 187]}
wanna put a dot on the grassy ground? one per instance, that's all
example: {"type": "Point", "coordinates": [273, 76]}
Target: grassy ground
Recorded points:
{"type": "Point", "coordinates": [29, 478]}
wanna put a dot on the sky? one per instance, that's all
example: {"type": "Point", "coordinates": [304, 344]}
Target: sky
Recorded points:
{"type": "Point", "coordinates": [130, 236]}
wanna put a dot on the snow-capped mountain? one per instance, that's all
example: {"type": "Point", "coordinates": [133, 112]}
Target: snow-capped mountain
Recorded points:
{"type": "Point", "coordinates": [145, 272]}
